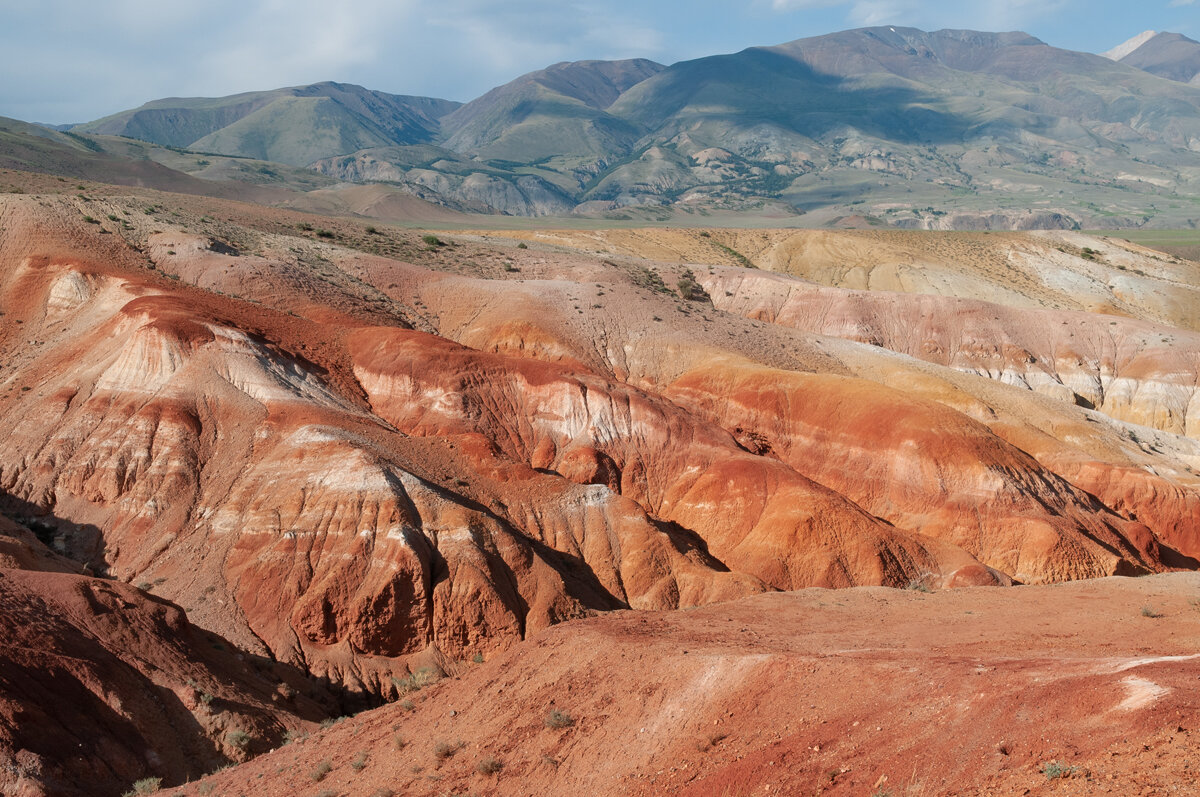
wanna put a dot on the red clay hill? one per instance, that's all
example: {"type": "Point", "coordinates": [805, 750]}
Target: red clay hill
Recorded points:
{"type": "Point", "coordinates": [357, 457]}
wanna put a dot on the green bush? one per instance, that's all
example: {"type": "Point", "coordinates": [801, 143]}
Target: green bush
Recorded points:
{"type": "Point", "coordinates": [238, 738]}
{"type": "Point", "coordinates": [143, 786]}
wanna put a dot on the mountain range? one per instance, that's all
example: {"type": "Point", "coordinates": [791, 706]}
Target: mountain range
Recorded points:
{"type": "Point", "coordinates": [889, 126]}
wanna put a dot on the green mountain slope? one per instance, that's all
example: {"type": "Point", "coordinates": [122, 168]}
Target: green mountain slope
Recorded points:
{"type": "Point", "coordinates": [555, 112]}
{"type": "Point", "coordinates": [294, 125]}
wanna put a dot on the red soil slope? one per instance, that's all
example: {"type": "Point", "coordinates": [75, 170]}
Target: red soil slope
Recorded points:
{"type": "Point", "coordinates": [861, 691]}
{"type": "Point", "coordinates": [102, 685]}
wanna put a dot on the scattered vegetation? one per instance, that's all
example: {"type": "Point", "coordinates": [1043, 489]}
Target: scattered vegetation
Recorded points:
{"type": "Point", "coordinates": [651, 280]}
{"type": "Point", "coordinates": [416, 681]}
{"type": "Point", "coordinates": [444, 750]}
{"type": "Point", "coordinates": [432, 241]}
{"type": "Point", "coordinates": [477, 658]}
{"type": "Point", "coordinates": [238, 738]}
{"type": "Point", "coordinates": [1150, 611]}
{"type": "Point", "coordinates": [522, 245]}
{"type": "Point", "coordinates": [400, 742]}
{"type": "Point", "coordinates": [322, 769]}
{"type": "Point", "coordinates": [360, 762]}
{"type": "Point", "coordinates": [741, 259]}
{"type": "Point", "coordinates": [917, 585]}
{"type": "Point", "coordinates": [325, 234]}
{"type": "Point", "coordinates": [143, 786]}
{"type": "Point", "coordinates": [489, 766]}
{"type": "Point", "coordinates": [90, 220]}
{"type": "Point", "coordinates": [1053, 770]}
{"type": "Point", "coordinates": [304, 226]}
{"type": "Point", "coordinates": [690, 289]}
{"type": "Point", "coordinates": [559, 719]}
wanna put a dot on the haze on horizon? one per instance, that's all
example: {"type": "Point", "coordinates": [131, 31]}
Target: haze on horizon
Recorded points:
{"type": "Point", "coordinates": [70, 61]}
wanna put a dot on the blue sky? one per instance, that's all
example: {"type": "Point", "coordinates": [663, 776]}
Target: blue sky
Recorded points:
{"type": "Point", "coordinates": [72, 61]}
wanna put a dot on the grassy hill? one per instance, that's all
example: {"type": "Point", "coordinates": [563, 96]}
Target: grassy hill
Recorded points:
{"type": "Point", "coordinates": [294, 125]}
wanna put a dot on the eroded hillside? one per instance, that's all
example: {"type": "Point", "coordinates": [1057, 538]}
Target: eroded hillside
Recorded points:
{"type": "Point", "coordinates": [360, 452]}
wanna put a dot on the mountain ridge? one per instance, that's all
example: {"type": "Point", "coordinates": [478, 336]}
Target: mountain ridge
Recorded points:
{"type": "Point", "coordinates": [919, 127]}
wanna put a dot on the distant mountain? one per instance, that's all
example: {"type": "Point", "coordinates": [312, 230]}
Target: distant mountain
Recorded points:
{"type": "Point", "coordinates": [295, 126]}
{"type": "Point", "coordinates": [554, 112]}
{"type": "Point", "coordinates": [880, 126]}
{"type": "Point", "coordinates": [1170, 55]}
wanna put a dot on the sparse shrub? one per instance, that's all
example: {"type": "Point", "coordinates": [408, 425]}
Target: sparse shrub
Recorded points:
{"type": "Point", "coordinates": [113, 217]}
{"type": "Point", "coordinates": [432, 240]}
{"type": "Point", "coordinates": [477, 658]}
{"type": "Point", "coordinates": [1150, 611]}
{"type": "Point", "coordinates": [293, 735]}
{"type": "Point", "coordinates": [408, 705]}
{"type": "Point", "coordinates": [325, 234]}
{"type": "Point", "coordinates": [90, 220]}
{"type": "Point", "coordinates": [489, 766]}
{"type": "Point", "coordinates": [238, 738]}
{"type": "Point", "coordinates": [143, 786]}
{"type": "Point", "coordinates": [304, 226]}
{"type": "Point", "coordinates": [206, 698]}
{"type": "Point", "coordinates": [205, 788]}
{"type": "Point", "coordinates": [329, 722]}
{"type": "Point", "coordinates": [690, 289]}
{"type": "Point", "coordinates": [1053, 770]}
{"type": "Point", "coordinates": [322, 769]}
{"type": "Point", "coordinates": [522, 245]}
{"type": "Point", "coordinates": [917, 585]}
{"type": "Point", "coordinates": [360, 762]}
{"type": "Point", "coordinates": [559, 719]}
{"type": "Point", "coordinates": [372, 230]}
{"type": "Point", "coordinates": [400, 742]}
{"type": "Point", "coordinates": [416, 681]}
{"type": "Point", "coordinates": [444, 750]}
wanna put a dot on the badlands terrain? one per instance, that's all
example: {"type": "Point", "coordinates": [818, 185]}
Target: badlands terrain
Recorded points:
{"type": "Point", "coordinates": [360, 508]}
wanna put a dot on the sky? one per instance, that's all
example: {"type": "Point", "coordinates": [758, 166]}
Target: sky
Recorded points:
{"type": "Point", "coordinates": [73, 61]}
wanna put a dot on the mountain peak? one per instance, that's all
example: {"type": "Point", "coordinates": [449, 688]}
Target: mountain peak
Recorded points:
{"type": "Point", "coordinates": [1129, 45]}
{"type": "Point", "coordinates": [1165, 54]}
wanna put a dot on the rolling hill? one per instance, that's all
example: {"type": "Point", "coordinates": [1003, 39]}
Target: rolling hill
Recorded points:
{"type": "Point", "coordinates": [294, 126]}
